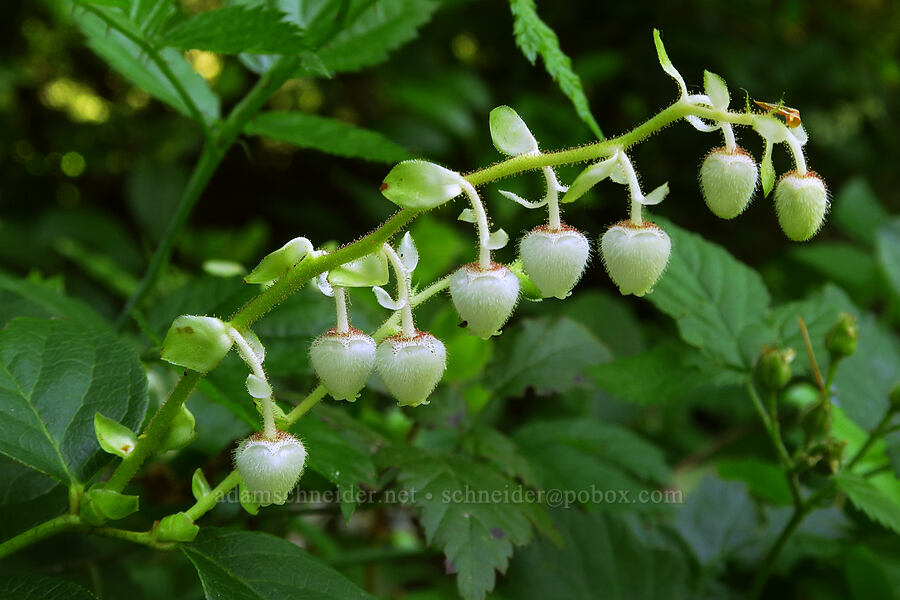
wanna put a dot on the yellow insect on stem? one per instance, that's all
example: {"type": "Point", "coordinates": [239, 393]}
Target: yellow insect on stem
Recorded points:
{"type": "Point", "coordinates": [791, 115]}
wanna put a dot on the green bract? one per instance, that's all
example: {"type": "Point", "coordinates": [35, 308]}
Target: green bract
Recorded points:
{"type": "Point", "coordinates": [277, 263]}
{"type": "Point", "coordinates": [114, 437]}
{"type": "Point", "coordinates": [801, 202]}
{"type": "Point", "coordinates": [177, 528]}
{"type": "Point", "coordinates": [99, 505]}
{"type": "Point", "coordinates": [509, 132]}
{"type": "Point", "coordinates": [196, 343]}
{"type": "Point", "coordinates": [181, 432]}
{"type": "Point", "coordinates": [420, 185]}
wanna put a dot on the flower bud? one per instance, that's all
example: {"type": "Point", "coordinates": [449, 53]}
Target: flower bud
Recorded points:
{"type": "Point", "coordinates": [343, 361]}
{"type": "Point", "coordinates": [727, 180]}
{"type": "Point", "coordinates": [99, 505]}
{"type": "Point", "coordinates": [411, 367]}
{"type": "Point", "coordinates": [181, 431]}
{"type": "Point", "coordinates": [270, 468]}
{"type": "Point", "coordinates": [773, 367]}
{"type": "Point", "coordinates": [178, 527]}
{"type": "Point", "coordinates": [196, 343]}
{"type": "Point", "coordinates": [840, 341]}
{"type": "Point", "coordinates": [801, 202]}
{"type": "Point", "coordinates": [635, 255]}
{"type": "Point", "coordinates": [554, 259]}
{"type": "Point", "coordinates": [484, 298]}
{"type": "Point", "coordinates": [420, 185]}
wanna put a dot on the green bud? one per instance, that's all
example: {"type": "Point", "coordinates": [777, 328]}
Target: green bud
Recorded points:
{"type": "Point", "coordinates": [773, 367]}
{"type": "Point", "coordinates": [114, 437]}
{"type": "Point", "coordinates": [176, 528]}
{"type": "Point", "coordinates": [199, 485]}
{"type": "Point", "coordinates": [420, 185]}
{"type": "Point", "coordinates": [840, 341]}
{"type": "Point", "coordinates": [181, 431]}
{"type": "Point", "coordinates": [99, 505]}
{"type": "Point", "coordinates": [279, 262]}
{"type": "Point", "coordinates": [801, 202]}
{"type": "Point", "coordinates": [196, 343]}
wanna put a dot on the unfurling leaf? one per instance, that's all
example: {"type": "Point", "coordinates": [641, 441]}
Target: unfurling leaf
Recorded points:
{"type": "Point", "coordinates": [509, 132]}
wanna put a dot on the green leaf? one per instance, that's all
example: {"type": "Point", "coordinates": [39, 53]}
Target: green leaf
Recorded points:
{"type": "Point", "coordinates": [27, 498]}
{"type": "Point", "coordinates": [717, 519]}
{"type": "Point", "coordinates": [846, 264]}
{"type": "Point", "coordinates": [468, 510]}
{"type": "Point", "coordinates": [129, 59]}
{"type": "Point", "coordinates": [713, 297]}
{"type": "Point", "coordinates": [55, 375]}
{"type": "Point", "coordinates": [244, 565]}
{"type": "Point", "coordinates": [669, 372]}
{"type": "Point", "coordinates": [20, 298]}
{"type": "Point", "coordinates": [36, 587]}
{"type": "Point", "coordinates": [150, 15]}
{"type": "Point", "coordinates": [607, 465]}
{"type": "Point", "coordinates": [367, 32]}
{"type": "Point", "coordinates": [887, 249]}
{"type": "Point", "coordinates": [547, 354]}
{"type": "Point", "coordinates": [764, 479]}
{"type": "Point", "coordinates": [113, 437]}
{"type": "Point", "coordinates": [601, 556]}
{"type": "Point", "coordinates": [871, 500]}
{"type": "Point", "coordinates": [857, 211]}
{"type": "Point", "coordinates": [502, 452]}
{"type": "Point", "coordinates": [717, 90]}
{"type": "Point", "coordinates": [326, 135]}
{"type": "Point", "coordinates": [535, 38]}
{"type": "Point", "coordinates": [238, 28]}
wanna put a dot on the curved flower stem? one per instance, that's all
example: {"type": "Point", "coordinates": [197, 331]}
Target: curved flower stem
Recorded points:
{"type": "Point", "coordinates": [402, 276]}
{"type": "Point", "coordinates": [256, 367]}
{"type": "Point", "coordinates": [797, 150]}
{"type": "Point", "coordinates": [553, 219]}
{"type": "Point", "coordinates": [728, 137]}
{"type": "Point", "coordinates": [481, 222]}
{"type": "Point", "coordinates": [342, 321]}
{"type": "Point", "coordinates": [634, 190]}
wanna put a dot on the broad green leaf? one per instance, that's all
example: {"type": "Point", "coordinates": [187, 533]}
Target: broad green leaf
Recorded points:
{"type": "Point", "coordinates": [869, 575]}
{"type": "Point", "coordinates": [857, 211]}
{"type": "Point", "coordinates": [868, 498]}
{"type": "Point", "coordinates": [20, 298]}
{"type": "Point", "coordinates": [245, 565]}
{"type": "Point", "coordinates": [501, 451]}
{"type": "Point", "coordinates": [326, 135]}
{"type": "Point", "coordinates": [468, 510]}
{"type": "Point", "coordinates": [535, 38]}
{"type": "Point", "coordinates": [765, 479]}
{"type": "Point", "coordinates": [887, 249]}
{"type": "Point", "coordinates": [602, 556]}
{"type": "Point", "coordinates": [37, 587]}
{"type": "Point", "coordinates": [712, 296]}
{"type": "Point", "coordinates": [596, 464]}
{"type": "Point", "coordinates": [129, 59]}
{"type": "Point", "coordinates": [717, 519]}
{"type": "Point", "coordinates": [669, 372]}
{"type": "Point", "coordinates": [844, 263]}
{"type": "Point", "coordinates": [27, 498]}
{"type": "Point", "coordinates": [238, 28]}
{"type": "Point", "coordinates": [549, 355]}
{"type": "Point", "coordinates": [330, 454]}
{"type": "Point", "coordinates": [55, 375]}
{"type": "Point", "coordinates": [368, 31]}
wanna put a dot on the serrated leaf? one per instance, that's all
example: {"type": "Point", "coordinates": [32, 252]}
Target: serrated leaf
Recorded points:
{"type": "Point", "coordinates": [129, 60]}
{"type": "Point", "coordinates": [326, 135]}
{"type": "Point", "coordinates": [868, 498]}
{"type": "Point", "coordinates": [477, 537]}
{"type": "Point", "coordinates": [21, 298]}
{"type": "Point", "coordinates": [547, 354]}
{"type": "Point", "coordinates": [601, 556]}
{"type": "Point", "coordinates": [36, 587]}
{"type": "Point", "coordinates": [535, 38]}
{"type": "Point", "coordinates": [385, 300]}
{"type": "Point", "coordinates": [245, 565]}
{"type": "Point", "coordinates": [238, 28]}
{"type": "Point", "coordinates": [409, 255]}
{"type": "Point", "coordinates": [496, 240]}
{"type": "Point", "coordinates": [712, 296]}
{"type": "Point", "coordinates": [656, 196]}
{"type": "Point", "coordinates": [717, 90]}
{"type": "Point", "coordinates": [367, 32]}
{"type": "Point", "coordinates": [47, 416]}
{"type": "Point", "coordinates": [764, 479]}
{"type": "Point", "coordinates": [590, 177]}
{"type": "Point", "coordinates": [368, 271]}
{"type": "Point", "coordinates": [150, 15]}
{"type": "Point", "coordinates": [509, 132]}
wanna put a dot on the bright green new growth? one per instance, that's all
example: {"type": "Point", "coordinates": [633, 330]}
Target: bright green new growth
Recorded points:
{"type": "Point", "coordinates": [181, 432]}
{"type": "Point", "coordinates": [509, 132]}
{"type": "Point", "coordinates": [635, 257]}
{"type": "Point", "coordinates": [196, 343]}
{"type": "Point", "coordinates": [420, 185]}
{"type": "Point", "coordinates": [114, 437]}
{"type": "Point", "coordinates": [727, 180]}
{"type": "Point", "coordinates": [801, 202]}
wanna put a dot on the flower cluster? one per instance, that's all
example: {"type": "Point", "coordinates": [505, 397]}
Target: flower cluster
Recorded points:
{"type": "Point", "coordinates": [552, 258]}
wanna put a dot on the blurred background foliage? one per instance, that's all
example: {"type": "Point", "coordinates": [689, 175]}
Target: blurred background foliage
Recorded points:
{"type": "Point", "coordinates": [92, 168]}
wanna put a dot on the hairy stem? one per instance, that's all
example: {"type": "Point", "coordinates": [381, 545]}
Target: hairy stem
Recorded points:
{"type": "Point", "coordinates": [403, 296]}
{"type": "Point", "coordinates": [481, 223]}
{"type": "Point", "coordinates": [209, 500]}
{"type": "Point", "coordinates": [554, 222]}
{"type": "Point", "coordinates": [342, 322]}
